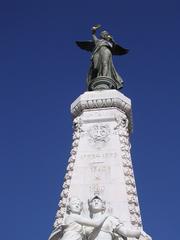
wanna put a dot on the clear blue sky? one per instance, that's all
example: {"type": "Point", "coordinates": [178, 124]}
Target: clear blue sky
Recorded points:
{"type": "Point", "coordinates": [42, 72]}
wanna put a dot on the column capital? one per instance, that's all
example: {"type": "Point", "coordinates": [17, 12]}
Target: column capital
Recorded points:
{"type": "Point", "coordinates": [102, 99]}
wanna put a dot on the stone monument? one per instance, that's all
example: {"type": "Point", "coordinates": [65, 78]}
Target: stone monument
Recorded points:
{"type": "Point", "coordinates": [99, 200]}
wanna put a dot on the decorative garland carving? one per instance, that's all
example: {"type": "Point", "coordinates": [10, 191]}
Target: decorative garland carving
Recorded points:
{"type": "Point", "coordinates": [122, 130]}
{"type": "Point", "coordinates": [67, 179]}
{"type": "Point", "coordinates": [81, 105]}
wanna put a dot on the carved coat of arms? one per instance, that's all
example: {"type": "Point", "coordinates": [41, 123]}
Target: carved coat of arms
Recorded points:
{"type": "Point", "coordinates": [99, 134]}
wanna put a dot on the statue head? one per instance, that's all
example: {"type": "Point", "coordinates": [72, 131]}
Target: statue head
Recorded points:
{"type": "Point", "coordinates": [96, 204]}
{"type": "Point", "coordinates": [105, 35]}
{"type": "Point", "coordinates": [74, 205]}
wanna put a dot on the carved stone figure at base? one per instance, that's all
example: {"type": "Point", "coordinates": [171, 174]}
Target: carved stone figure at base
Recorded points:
{"type": "Point", "coordinates": [102, 73]}
{"type": "Point", "coordinates": [145, 236]}
{"type": "Point", "coordinates": [112, 227]}
{"type": "Point", "coordinates": [72, 229]}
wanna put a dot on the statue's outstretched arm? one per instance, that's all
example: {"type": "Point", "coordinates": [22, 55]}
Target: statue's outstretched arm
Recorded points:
{"type": "Point", "coordinates": [93, 29]}
{"type": "Point", "coordinates": [123, 231]}
{"type": "Point", "coordinates": [87, 221]}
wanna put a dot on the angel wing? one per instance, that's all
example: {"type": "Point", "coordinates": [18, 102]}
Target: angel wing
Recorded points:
{"type": "Point", "coordinates": [86, 45]}
{"type": "Point", "coordinates": [90, 45]}
{"type": "Point", "coordinates": [118, 50]}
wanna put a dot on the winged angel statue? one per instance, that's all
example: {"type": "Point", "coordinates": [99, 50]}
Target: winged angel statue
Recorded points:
{"type": "Point", "coordinates": [102, 73]}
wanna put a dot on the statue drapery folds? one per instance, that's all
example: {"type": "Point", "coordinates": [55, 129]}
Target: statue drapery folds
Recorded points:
{"type": "Point", "coordinates": [102, 73]}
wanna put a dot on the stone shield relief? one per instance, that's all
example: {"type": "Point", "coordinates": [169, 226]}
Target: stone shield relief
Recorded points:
{"type": "Point", "coordinates": [98, 135]}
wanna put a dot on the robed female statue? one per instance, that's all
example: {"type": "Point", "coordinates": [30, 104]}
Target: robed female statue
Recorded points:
{"type": "Point", "coordinates": [102, 73]}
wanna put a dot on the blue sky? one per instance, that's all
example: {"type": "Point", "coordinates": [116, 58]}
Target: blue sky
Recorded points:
{"type": "Point", "coordinates": [42, 72]}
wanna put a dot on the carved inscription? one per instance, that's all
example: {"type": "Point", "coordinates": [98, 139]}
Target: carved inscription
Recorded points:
{"type": "Point", "coordinates": [100, 172]}
{"type": "Point", "coordinates": [99, 156]}
{"type": "Point", "coordinates": [96, 188]}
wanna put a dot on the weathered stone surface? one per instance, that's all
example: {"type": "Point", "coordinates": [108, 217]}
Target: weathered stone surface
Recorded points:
{"type": "Point", "coordinates": [100, 161]}
{"type": "Point", "coordinates": [106, 99]}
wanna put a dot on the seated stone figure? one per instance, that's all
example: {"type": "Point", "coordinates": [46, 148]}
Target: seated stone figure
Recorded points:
{"type": "Point", "coordinates": [111, 228]}
{"type": "Point", "coordinates": [74, 222]}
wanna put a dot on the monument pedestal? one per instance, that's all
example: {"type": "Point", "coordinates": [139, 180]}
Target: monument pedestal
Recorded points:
{"type": "Point", "coordinates": [100, 161]}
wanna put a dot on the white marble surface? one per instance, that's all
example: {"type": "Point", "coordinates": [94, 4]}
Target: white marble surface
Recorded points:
{"type": "Point", "coordinates": [99, 164]}
{"type": "Point", "coordinates": [100, 161]}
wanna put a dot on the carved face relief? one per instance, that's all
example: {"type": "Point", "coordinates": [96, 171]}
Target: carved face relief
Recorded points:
{"type": "Point", "coordinates": [75, 205]}
{"type": "Point", "coordinates": [96, 205]}
{"type": "Point", "coordinates": [99, 134]}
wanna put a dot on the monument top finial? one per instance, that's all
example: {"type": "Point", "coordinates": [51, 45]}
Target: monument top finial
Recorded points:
{"type": "Point", "coordinates": [102, 73]}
